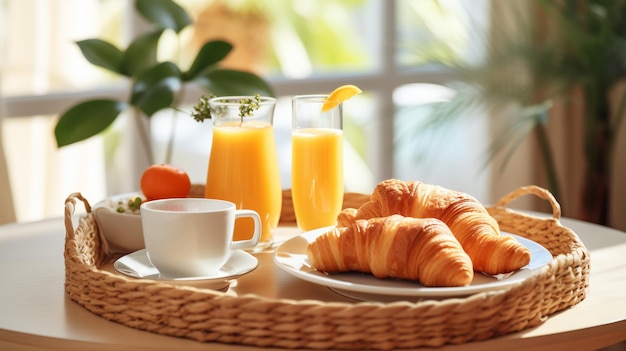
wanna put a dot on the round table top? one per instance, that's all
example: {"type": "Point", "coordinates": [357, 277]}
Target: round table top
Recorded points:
{"type": "Point", "coordinates": [36, 313]}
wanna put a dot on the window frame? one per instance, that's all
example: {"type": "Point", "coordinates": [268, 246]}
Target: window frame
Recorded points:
{"type": "Point", "coordinates": [380, 82]}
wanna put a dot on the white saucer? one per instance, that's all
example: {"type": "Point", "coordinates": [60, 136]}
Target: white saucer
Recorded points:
{"type": "Point", "coordinates": [137, 265]}
{"type": "Point", "coordinates": [291, 257]}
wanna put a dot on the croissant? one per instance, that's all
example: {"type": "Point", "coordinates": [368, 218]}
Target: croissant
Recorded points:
{"type": "Point", "coordinates": [416, 249]}
{"type": "Point", "coordinates": [346, 217]}
{"type": "Point", "coordinates": [469, 221]}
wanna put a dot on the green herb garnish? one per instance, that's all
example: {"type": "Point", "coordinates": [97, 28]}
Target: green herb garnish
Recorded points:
{"type": "Point", "coordinates": [248, 106]}
{"type": "Point", "coordinates": [202, 110]}
{"type": "Point", "coordinates": [134, 203]}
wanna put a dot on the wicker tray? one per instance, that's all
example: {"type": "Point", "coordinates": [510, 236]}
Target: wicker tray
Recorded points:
{"type": "Point", "coordinates": [211, 316]}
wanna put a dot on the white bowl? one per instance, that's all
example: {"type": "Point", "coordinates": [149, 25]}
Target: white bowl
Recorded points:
{"type": "Point", "coordinates": [122, 231]}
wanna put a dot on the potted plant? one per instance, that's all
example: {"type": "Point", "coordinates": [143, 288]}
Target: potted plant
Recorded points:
{"type": "Point", "coordinates": [565, 52]}
{"type": "Point", "coordinates": [154, 85]}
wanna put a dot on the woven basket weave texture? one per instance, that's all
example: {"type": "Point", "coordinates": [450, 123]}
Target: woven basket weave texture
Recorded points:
{"type": "Point", "coordinates": [211, 316]}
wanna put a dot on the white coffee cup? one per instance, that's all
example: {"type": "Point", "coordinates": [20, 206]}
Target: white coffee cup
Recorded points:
{"type": "Point", "coordinates": [193, 237]}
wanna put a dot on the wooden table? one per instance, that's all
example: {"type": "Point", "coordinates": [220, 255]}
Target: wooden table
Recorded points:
{"type": "Point", "coordinates": [35, 313]}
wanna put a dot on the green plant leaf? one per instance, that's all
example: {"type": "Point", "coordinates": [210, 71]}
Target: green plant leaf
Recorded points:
{"type": "Point", "coordinates": [155, 88]}
{"type": "Point", "coordinates": [164, 13]}
{"type": "Point", "coordinates": [154, 76]}
{"type": "Point", "coordinates": [102, 54]}
{"type": "Point", "coordinates": [86, 119]}
{"type": "Point", "coordinates": [141, 53]}
{"type": "Point", "coordinates": [157, 97]}
{"type": "Point", "coordinates": [222, 82]}
{"type": "Point", "coordinates": [210, 53]}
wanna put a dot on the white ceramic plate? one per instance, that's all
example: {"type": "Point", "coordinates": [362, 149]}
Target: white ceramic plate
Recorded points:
{"type": "Point", "coordinates": [137, 265]}
{"type": "Point", "coordinates": [291, 257]}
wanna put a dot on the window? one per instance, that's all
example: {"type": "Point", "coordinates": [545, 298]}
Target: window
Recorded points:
{"type": "Point", "coordinates": [300, 47]}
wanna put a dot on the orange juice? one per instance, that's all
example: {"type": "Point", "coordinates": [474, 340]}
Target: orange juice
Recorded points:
{"type": "Point", "coordinates": [317, 176]}
{"type": "Point", "coordinates": [243, 168]}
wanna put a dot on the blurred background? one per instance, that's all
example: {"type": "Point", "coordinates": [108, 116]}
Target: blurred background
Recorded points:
{"type": "Point", "coordinates": [404, 55]}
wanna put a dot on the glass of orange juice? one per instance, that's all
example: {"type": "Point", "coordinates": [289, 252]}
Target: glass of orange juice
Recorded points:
{"type": "Point", "coordinates": [243, 165]}
{"type": "Point", "coordinates": [317, 161]}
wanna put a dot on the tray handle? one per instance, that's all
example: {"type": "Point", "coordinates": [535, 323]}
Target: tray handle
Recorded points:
{"type": "Point", "coordinates": [534, 190]}
{"type": "Point", "coordinates": [70, 207]}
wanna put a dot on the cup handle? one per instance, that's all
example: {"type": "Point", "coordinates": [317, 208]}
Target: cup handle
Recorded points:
{"type": "Point", "coordinates": [250, 243]}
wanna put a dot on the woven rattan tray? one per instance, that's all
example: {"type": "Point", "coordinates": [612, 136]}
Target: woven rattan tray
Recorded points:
{"type": "Point", "coordinates": [211, 316]}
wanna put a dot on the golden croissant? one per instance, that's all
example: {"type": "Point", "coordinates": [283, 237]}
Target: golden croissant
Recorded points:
{"type": "Point", "coordinates": [416, 249]}
{"type": "Point", "coordinates": [469, 221]}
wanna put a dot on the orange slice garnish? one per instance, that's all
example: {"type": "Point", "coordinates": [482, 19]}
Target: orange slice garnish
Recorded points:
{"type": "Point", "coordinates": [340, 95]}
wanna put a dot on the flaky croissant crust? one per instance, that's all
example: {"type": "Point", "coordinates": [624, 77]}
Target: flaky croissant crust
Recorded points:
{"type": "Point", "coordinates": [423, 250]}
{"type": "Point", "coordinates": [467, 218]}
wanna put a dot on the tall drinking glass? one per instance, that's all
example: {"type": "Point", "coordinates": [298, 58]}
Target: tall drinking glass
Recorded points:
{"type": "Point", "coordinates": [317, 162]}
{"type": "Point", "coordinates": [243, 166]}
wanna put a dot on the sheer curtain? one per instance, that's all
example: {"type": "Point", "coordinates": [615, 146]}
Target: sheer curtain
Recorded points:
{"type": "Point", "coordinates": [39, 59]}
{"type": "Point", "coordinates": [565, 132]}
{"type": "Point", "coordinates": [7, 213]}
